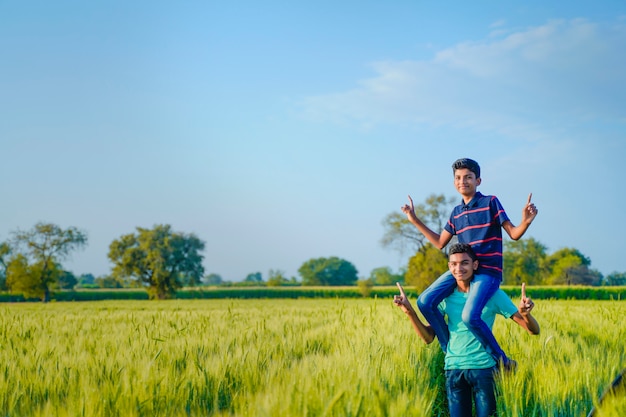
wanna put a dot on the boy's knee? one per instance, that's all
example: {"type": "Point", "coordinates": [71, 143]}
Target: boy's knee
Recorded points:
{"type": "Point", "coordinates": [471, 319]}
{"type": "Point", "coordinates": [426, 300]}
{"type": "Point", "coordinates": [421, 302]}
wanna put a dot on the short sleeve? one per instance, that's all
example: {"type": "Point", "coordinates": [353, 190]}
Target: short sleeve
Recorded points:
{"type": "Point", "coordinates": [498, 211]}
{"type": "Point", "coordinates": [448, 226]}
{"type": "Point", "coordinates": [504, 305]}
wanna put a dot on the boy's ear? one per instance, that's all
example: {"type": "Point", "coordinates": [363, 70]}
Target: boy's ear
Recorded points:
{"type": "Point", "coordinates": [475, 265]}
{"type": "Point", "coordinates": [478, 181]}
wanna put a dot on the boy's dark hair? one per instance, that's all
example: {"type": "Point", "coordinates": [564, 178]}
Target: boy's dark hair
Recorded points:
{"type": "Point", "coordinates": [466, 163]}
{"type": "Point", "coordinates": [462, 248]}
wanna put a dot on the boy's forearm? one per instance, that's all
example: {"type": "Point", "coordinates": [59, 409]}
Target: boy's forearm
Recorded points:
{"type": "Point", "coordinates": [531, 324]}
{"type": "Point", "coordinates": [517, 232]}
{"type": "Point", "coordinates": [425, 332]}
{"type": "Point", "coordinates": [432, 237]}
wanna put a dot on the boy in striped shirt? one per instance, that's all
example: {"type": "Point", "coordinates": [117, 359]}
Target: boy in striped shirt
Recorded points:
{"type": "Point", "coordinates": [477, 221]}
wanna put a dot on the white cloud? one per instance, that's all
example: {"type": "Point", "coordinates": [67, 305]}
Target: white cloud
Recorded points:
{"type": "Point", "coordinates": [535, 83]}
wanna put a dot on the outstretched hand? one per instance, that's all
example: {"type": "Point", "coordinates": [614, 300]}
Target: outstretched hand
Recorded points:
{"type": "Point", "coordinates": [525, 304]}
{"type": "Point", "coordinates": [401, 300]}
{"type": "Point", "coordinates": [530, 210]}
{"type": "Point", "coordinates": [408, 209]}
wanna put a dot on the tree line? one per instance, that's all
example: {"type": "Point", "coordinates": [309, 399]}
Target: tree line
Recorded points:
{"type": "Point", "coordinates": [162, 261]}
{"type": "Point", "coordinates": [158, 259]}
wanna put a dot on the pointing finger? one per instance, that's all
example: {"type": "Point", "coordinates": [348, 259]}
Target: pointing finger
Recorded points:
{"type": "Point", "coordinates": [523, 291]}
{"type": "Point", "coordinates": [529, 197]}
{"type": "Point", "coordinates": [401, 289]}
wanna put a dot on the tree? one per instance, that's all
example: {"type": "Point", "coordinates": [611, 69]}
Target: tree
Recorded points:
{"type": "Point", "coordinates": [365, 287]}
{"type": "Point", "coordinates": [108, 281]}
{"type": "Point", "coordinates": [5, 253]}
{"type": "Point", "coordinates": [425, 267]}
{"type": "Point", "coordinates": [615, 278]}
{"type": "Point", "coordinates": [568, 266]}
{"type": "Point", "coordinates": [30, 280]}
{"type": "Point", "coordinates": [213, 279]}
{"type": "Point", "coordinates": [158, 259]}
{"type": "Point", "coordinates": [384, 276]}
{"type": "Point", "coordinates": [255, 277]}
{"type": "Point", "coordinates": [400, 233]}
{"type": "Point", "coordinates": [276, 278]}
{"type": "Point", "coordinates": [524, 261]}
{"type": "Point", "coordinates": [39, 253]}
{"type": "Point", "coordinates": [328, 271]}
{"type": "Point", "coordinates": [583, 275]}
{"type": "Point", "coordinates": [86, 279]}
{"type": "Point", "coordinates": [67, 280]}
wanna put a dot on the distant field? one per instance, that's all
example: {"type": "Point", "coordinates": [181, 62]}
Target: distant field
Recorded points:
{"type": "Point", "coordinates": [268, 357]}
{"type": "Point", "coordinates": [575, 292]}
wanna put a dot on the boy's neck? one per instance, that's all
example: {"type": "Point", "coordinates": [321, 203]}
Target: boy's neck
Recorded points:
{"type": "Point", "coordinates": [468, 198]}
{"type": "Point", "coordinates": [463, 286]}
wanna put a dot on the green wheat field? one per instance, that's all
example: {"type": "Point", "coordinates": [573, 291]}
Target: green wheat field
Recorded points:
{"type": "Point", "coordinates": [309, 357]}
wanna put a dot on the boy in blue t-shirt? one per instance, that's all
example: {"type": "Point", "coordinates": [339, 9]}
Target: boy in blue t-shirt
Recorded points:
{"type": "Point", "coordinates": [477, 221]}
{"type": "Point", "coordinates": [469, 369]}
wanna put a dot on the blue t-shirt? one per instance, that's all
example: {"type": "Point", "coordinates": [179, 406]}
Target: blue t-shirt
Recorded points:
{"type": "Point", "coordinates": [479, 224]}
{"type": "Point", "coordinates": [464, 350]}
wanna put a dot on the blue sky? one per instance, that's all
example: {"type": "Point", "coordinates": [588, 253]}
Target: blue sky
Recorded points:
{"type": "Point", "coordinates": [278, 132]}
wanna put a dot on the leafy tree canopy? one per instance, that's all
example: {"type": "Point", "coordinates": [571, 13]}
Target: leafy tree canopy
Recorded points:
{"type": "Point", "coordinates": [384, 276]}
{"type": "Point", "coordinates": [401, 235]}
{"type": "Point", "coordinates": [158, 258]}
{"type": "Point", "coordinates": [425, 267]}
{"type": "Point", "coordinates": [5, 253]}
{"type": "Point", "coordinates": [328, 271]}
{"type": "Point", "coordinates": [35, 266]}
{"type": "Point", "coordinates": [213, 279]}
{"type": "Point", "coordinates": [256, 277]}
{"type": "Point", "coordinates": [567, 266]}
{"type": "Point", "coordinates": [109, 281]}
{"type": "Point", "coordinates": [524, 261]}
{"type": "Point", "coordinates": [67, 280]}
{"type": "Point", "coordinates": [48, 242]}
{"type": "Point", "coordinates": [616, 278]}
{"type": "Point", "coordinates": [32, 280]}
{"type": "Point", "coordinates": [276, 278]}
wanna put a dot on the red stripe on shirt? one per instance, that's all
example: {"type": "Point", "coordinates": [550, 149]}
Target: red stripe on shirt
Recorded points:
{"type": "Point", "coordinates": [471, 211]}
{"type": "Point", "coordinates": [478, 226]}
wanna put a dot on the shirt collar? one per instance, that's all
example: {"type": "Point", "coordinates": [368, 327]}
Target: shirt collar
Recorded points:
{"type": "Point", "coordinates": [472, 202]}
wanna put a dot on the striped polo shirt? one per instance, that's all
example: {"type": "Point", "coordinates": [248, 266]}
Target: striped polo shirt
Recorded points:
{"type": "Point", "coordinates": [479, 224]}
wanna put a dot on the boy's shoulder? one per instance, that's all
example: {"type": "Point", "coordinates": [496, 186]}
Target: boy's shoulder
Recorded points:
{"type": "Point", "coordinates": [480, 199]}
{"type": "Point", "coordinates": [480, 195]}
{"type": "Point", "coordinates": [501, 303]}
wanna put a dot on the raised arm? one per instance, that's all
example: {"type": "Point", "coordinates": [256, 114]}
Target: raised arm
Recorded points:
{"type": "Point", "coordinates": [523, 316]}
{"type": "Point", "coordinates": [424, 331]}
{"type": "Point", "coordinates": [439, 240]}
{"type": "Point", "coordinates": [529, 212]}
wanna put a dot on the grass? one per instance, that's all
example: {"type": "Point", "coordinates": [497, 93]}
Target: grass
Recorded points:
{"type": "Point", "coordinates": [309, 357]}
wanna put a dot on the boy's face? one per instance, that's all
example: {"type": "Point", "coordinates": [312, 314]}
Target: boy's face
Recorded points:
{"type": "Point", "coordinates": [465, 182]}
{"type": "Point", "coordinates": [462, 266]}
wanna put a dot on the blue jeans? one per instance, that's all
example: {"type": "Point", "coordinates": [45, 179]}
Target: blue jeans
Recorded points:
{"type": "Point", "coordinates": [482, 289]}
{"type": "Point", "coordinates": [463, 385]}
